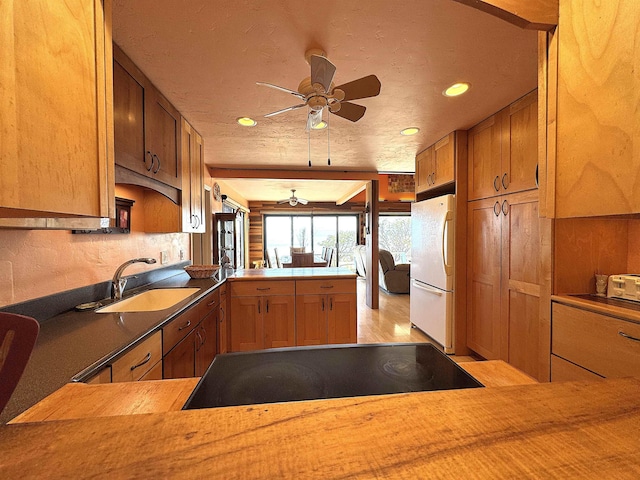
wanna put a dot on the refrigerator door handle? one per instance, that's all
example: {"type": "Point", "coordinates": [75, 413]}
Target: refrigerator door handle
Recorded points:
{"type": "Point", "coordinates": [445, 230]}
{"type": "Point", "coordinates": [427, 288]}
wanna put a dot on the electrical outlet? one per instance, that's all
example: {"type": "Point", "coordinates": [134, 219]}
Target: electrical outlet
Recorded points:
{"type": "Point", "coordinates": [164, 257]}
{"type": "Point", "coordinates": [181, 254]}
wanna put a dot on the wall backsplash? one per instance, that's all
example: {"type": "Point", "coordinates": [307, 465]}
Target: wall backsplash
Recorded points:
{"type": "Point", "coordinates": [36, 263]}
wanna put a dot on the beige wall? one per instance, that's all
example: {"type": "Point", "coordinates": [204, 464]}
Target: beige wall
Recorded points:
{"type": "Point", "coordinates": [36, 263]}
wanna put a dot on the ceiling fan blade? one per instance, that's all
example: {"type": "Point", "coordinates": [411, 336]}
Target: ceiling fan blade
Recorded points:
{"type": "Point", "coordinates": [280, 202]}
{"type": "Point", "coordinates": [350, 111]}
{"type": "Point", "coordinates": [361, 88]}
{"type": "Point", "coordinates": [322, 72]}
{"type": "Point", "coordinates": [302, 201]}
{"type": "Point", "coordinates": [282, 89]}
{"type": "Point", "coordinates": [288, 109]}
{"type": "Point", "coordinates": [313, 119]}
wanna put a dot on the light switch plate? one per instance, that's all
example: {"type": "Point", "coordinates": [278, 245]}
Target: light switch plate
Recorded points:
{"type": "Point", "coordinates": [164, 257]}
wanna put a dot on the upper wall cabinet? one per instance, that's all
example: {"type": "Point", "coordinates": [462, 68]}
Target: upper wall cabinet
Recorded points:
{"type": "Point", "coordinates": [192, 180]}
{"type": "Point", "coordinates": [147, 131]}
{"type": "Point", "coordinates": [436, 166]}
{"type": "Point", "coordinates": [503, 155]}
{"type": "Point", "coordinates": [56, 134]}
{"type": "Point", "coordinates": [597, 123]}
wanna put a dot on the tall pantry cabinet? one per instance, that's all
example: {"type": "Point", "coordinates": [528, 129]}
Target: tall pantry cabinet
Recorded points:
{"type": "Point", "coordinates": [504, 235]}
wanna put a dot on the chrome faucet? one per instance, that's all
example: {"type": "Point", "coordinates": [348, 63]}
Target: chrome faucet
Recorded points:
{"type": "Point", "coordinates": [118, 283]}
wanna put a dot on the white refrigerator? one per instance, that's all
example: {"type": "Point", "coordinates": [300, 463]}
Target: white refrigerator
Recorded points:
{"type": "Point", "coordinates": [432, 260]}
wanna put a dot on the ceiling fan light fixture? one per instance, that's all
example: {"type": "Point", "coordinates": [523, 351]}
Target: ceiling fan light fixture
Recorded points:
{"type": "Point", "coordinates": [320, 125]}
{"type": "Point", "coordinates": [457, 89]}
{"type": "Point", "coordinates": [407, 132]}
{"type": "Point", "coordinates": [246, 121]}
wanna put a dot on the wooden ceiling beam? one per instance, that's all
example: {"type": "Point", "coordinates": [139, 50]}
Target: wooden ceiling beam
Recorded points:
{"type": "Point", "coordinates": [345, 198]}
{"type": "Point", "coordinates": [219, 172]}
{"type": "Point", "coordinates": [529, 14]}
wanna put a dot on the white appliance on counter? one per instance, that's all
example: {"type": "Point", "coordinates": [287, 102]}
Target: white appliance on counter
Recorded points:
{"type": "Point", "coordinates": [626, 286]}
{"type": "Point", "coordinates": [432, 260]}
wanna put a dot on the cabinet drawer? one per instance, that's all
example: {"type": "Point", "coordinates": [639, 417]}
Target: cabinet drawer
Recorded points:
{"type": "Point", "coordinates": [136, 362]}
{"type": "Point", "coordinates": [205, 305]}
{"type": "Point", "coordinates": [240, 289]}
{"type": "Point", "coordinates": [563, 371]}
{"type": "Point", "coordinates": [596, 342]}
{"type": "Point", "coordinates": [309, 287]}
{"type": "Point", "coordinates": [179, 328]}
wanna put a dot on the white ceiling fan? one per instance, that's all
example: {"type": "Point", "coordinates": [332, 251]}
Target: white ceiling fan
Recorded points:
{"type": "Point", "coordinates": [319, 92]}
{"type": "Point", "coordinates": [293, 200]}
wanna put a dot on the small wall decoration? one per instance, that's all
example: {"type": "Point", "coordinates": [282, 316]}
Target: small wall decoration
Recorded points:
{"type": "Point", "coordinates": [401, 183]}
{"type": "Point", "coordinates": [122, 222]}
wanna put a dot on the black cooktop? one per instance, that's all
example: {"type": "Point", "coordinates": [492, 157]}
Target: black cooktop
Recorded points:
{"type": "Point", "coordinates": [308, 373]}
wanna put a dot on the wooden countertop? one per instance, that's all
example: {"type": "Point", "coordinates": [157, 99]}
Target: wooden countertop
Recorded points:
{"type": "Point", "coordinates": [291, 273]}
{"type": "Point", "coordinates": [558, 430]}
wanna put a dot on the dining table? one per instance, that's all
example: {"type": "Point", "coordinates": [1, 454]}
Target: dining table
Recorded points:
{"type": "Point", "coordinates": [306, 259]}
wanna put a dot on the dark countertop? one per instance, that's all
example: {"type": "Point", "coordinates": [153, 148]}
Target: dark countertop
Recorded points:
{"type": "Point", "coordinates": [73, 345]}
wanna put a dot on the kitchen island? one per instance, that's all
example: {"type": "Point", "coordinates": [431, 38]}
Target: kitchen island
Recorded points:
{"type": "Point", "coordinates": [562, 430]}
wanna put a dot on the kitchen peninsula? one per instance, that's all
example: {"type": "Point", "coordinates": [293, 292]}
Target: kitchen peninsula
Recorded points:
{"type": "Point", "coordinates": [558, 430]}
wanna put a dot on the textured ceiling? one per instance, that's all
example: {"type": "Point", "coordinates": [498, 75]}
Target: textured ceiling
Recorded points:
{"type": "Point", "coordinates": [206, 56]}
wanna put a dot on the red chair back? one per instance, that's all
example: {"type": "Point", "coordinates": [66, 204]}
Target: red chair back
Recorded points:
{"type": "Point", "coordinates": [17, 338]}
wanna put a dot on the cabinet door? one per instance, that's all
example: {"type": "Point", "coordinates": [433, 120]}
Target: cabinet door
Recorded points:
{"type": "Point", "coordinates": [247, 332]}
{"type": "Point", "coordinates": [223, 321]}
{"type": "Point", "coordinates": [180, 362]}
{"type": "Point", "coordinates": [520, 145]}
{"type": "Point", "coordinates": [483, 277]}
{"type": "Point", "coordinates": [128, 115]}
{"type": "Point", "coordinates": [424, 168]}
{"type": "Point", "coordinates": [279, 321]}
{"type": "Point", "coordinates": [155, 373]}
{"type": "Point", "coordinates": [206, 343]}
{"type": "Point", "coordinates": [342, 318]}
{"type": "Point", "coordinates": [162, 137]}
{"type": "Point", "coordinates": [484, 159]}
{"type": "Point", "coordinates": [444, 161]}
{"type": "Point", "coordinates": [56, 114]}
{"type": "Point", "coordinates": [311, 320]}
{"type": "Point", "coordinates": [192, 180]}
{"type": "Point", "coordinates": [520, 294]}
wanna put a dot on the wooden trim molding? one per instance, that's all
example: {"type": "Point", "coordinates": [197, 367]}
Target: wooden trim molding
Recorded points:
{"type": "Point", "coordinates": [218, 172]}
{"type": "Point", "coordinates": [531, 14]}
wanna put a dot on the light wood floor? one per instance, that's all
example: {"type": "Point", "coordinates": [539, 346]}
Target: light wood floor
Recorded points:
{"type": "Point", "coordinates": [390, 323]}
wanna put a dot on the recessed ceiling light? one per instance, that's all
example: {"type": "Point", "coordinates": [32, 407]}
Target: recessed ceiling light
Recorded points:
{"type": "Point", "coordinates": [456, 89]}
{"type": "Point", "coordinates": [321, 125]}
{"type": "Point", "coordinates": [407, 132]}
{"type": "Point", "coordinates": [246, 121]}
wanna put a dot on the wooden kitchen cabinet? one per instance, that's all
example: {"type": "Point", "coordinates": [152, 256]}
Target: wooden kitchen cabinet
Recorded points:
{"type": "Point", "coordinates": [147, 129]}
{"type": "Point", "coordinates": [502, 150]}
{"type": "Point", "coordinates": [190, 339]}
{"type": "Point", "coordinates": [223, 320]}
{"type": "Point", "coordinates": [193, 211]}
{"type": "Point", "coordinates": [56, 117]}
{"type": "Point", "coordinates": [326, 312]}
{"type": "Point", "coordinates": [594, 343]}
{"type": "Point", "coordinates": [206, 342]}
{"type": "Point", "coordinates": [263, 315]}
{"type": "Point", "coordinates": [503, 282]}
{"type": "Point", "coordinates": [435, 166]}
{"type": "Point", "coordinates": [593, 114]}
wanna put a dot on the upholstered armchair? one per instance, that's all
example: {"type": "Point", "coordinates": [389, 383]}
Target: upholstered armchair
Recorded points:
{"type": "Point", "coordinates": [393, 278]}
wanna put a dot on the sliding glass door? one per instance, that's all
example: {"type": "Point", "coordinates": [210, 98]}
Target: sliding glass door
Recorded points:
{"type": "Point", "coordinates": [312, 232]}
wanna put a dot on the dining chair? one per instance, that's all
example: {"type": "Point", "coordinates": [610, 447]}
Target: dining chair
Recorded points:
{"type": "Point", "coordinates": [18, 336]}
{"type": "Point", "coordinates": [330, 253]}
{"type": "Point", "coordinates": [278, 262]}
{"type": "Point", "coordinates": [297, 249]}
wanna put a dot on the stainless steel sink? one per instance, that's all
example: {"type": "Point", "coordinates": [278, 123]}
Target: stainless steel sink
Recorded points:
{"type": "Point", "coordinates": [150, 300]}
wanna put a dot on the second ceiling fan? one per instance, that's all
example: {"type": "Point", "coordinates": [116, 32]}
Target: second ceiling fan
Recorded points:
{"type": "Point", "coordinates": [318, 92]}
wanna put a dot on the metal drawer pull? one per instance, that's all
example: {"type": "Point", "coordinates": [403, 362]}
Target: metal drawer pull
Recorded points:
{"type": "Point", "coordinates": [622, 334]}
{"type": "Point", "coordinates": [496, 209]}
{"type": "Point", "coordinates": [263, 289]}
{"type": "Point", "coordinates": [326, 286]}
{"type": "Point", "coordinates": [188, 324]}
{"type": "Point", "coordinates": [156, 157]}
{"type": "Point", "coordinates": [505, 207]}
{"type": "Point", "coordinates": [496, 183]}
{"type": "Point", "coordinates": [211, 304]}
{"type": "Point", "coordinates": [146, 360]}
{"type": "Point", "coordinates": [505, 181]}
{"type": "Point", "coordinates": [150, 157]}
